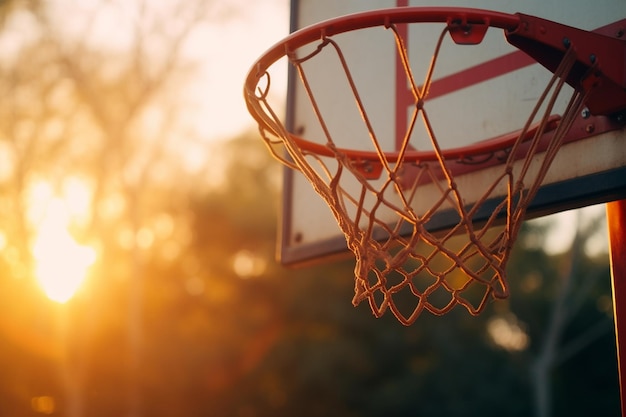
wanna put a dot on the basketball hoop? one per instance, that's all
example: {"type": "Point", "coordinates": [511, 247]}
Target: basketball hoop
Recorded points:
{"type": "Point", "coordinates": [437, 270]}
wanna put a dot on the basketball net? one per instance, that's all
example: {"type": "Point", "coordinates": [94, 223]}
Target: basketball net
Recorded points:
{"type": "Point", "coordinates": [403, 266]}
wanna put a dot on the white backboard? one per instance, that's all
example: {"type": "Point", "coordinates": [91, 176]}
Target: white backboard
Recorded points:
{"type": "Point", "coordinates": [477, 94]}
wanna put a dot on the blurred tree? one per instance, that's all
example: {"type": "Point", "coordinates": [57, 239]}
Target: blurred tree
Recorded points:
{"type": "Point", "coordinates": [82, 105]}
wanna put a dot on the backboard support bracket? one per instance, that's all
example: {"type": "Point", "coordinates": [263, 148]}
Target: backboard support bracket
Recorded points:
{"type": "Point", "coordinates": [600, 63]}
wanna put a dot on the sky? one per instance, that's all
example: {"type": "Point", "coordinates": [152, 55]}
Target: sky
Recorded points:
{"type": "Point", "coordinates": [222, 48]}
{"type": "Point", "coordinates": [255, 27]}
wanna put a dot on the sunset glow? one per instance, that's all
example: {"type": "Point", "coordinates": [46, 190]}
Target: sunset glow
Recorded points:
{"type": "Point", "coordinates": [61, 263]}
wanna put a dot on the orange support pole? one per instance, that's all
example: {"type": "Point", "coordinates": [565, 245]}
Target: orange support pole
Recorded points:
{"type": "Point", "coordinates": [616, 218]}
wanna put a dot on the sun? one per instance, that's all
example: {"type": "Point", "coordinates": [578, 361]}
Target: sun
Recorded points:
{"type": "Point", "coordinates": [61, 263]}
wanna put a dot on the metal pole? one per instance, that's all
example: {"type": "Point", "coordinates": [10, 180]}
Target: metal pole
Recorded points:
{"type": "Point", "coordinates": [616, 218]}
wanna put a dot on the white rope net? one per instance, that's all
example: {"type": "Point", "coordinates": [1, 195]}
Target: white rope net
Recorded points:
{"type": "Point", "coordinates": [403, 266]}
